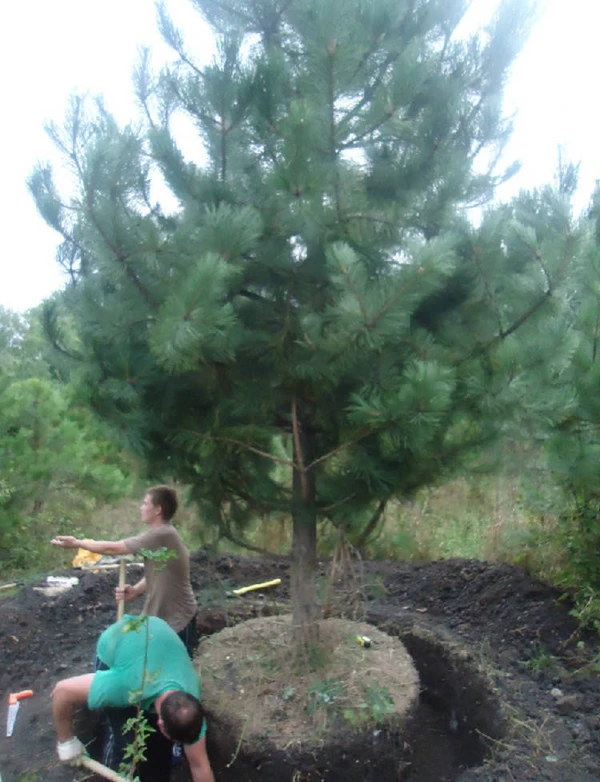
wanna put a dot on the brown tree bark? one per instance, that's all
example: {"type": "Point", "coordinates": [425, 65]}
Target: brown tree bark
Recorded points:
{"type": "Point", "coordinates": [304, 543]}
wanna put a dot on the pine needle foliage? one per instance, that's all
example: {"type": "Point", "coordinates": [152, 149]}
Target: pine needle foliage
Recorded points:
{"type": "Point", "coordinates": [318, 305]}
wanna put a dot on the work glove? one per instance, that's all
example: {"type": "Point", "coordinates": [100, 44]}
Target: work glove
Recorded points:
{"type": "Point", "coordinates": [70, 749]}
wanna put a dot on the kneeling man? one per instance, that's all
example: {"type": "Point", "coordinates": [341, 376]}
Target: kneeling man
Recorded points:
{"type": "Point", "coordinates": [147, 664]}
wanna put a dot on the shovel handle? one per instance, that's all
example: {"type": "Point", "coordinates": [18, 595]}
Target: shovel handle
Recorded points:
{"type": "Point", "coordinates": [121, 606]}
{"type": "Point", "coordinates": [99, 769]}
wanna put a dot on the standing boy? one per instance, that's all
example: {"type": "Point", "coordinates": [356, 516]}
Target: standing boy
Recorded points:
{"type": "Point", "coordinates": [166, 584]}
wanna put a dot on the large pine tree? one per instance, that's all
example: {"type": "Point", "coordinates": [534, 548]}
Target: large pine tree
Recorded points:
{"type": "Point", "coordinates": [317, 327]}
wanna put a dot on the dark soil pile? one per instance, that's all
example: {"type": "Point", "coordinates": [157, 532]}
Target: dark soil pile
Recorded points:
{"type": "Point", "coordinates": [508, 692]}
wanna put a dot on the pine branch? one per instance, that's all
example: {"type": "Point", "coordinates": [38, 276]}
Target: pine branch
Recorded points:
{"type": "Point", "coordinates": [370, 324]}
{"type": "Point", "coordinates": [262, 505]}
{"type": "Point", "coordinates": [191, 109]}
{"type": "Point", "coordinates": [346, 274]}
{"type": "Point", "coordinates": [142, 83]}
{"type": "Point", "coordinates": [223, 131]}
{"type": "Point", "coordinates": [372, 88]}
{"type": "Point", "coordinates": [153, 210]}
{"type": "Point", "coordinates": [288, 309]}
{"type": "Point", "coordinates": [52, 331]}
{"type": "Point", "coordinates": [279, 505]}
{"type": "Point", "coordinates": [490, 295]}
{"type": "Point", "coordinates": [229, 535]}
{"type": "Point", "coordinates": [370, 219]}
{"type": "Point", "coordinates": [71, 153]}
{"type": "Point", "coordinates": [525, 316]}
{"type": "Point", "coordinates": [399, 293]}
{"type": "Point", "coordinates": [332, 127]}
{"type": "Point", "coordinates": [328, 508]}
{"type": "Point", "coordinates": [247, 447]}
{"type": "Point", "coordinates": [120, 257]}
{"type": "Point", "coordinates": [229, 8]}
{"type": "Point", "coordinates": [342, 447]}
{"type": "Point", "coordinates": [172, 38]}
{"type": "Point", "coordinates": [595, 337]}
{"type": "Point", "coordinates": [371, 525]}
{"type": "Point", "coordinates": [354, 142]}
{"type": "Point", "coordinates": [75, 245]}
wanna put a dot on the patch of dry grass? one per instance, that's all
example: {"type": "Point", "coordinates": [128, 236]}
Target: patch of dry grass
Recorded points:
{"type": "Point", "coordinates": [251, 684]}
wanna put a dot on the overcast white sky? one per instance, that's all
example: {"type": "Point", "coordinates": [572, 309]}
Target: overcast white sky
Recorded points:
{"type": "Point", "coordinates": [51, 48]}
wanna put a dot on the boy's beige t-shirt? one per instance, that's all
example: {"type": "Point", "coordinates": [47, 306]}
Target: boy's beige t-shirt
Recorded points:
{"type": "Point", "coordinates": [168, 590]}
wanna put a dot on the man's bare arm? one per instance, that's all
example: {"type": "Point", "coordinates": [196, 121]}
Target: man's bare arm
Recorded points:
{"type": "Point", "coordinates": [108, 547]}
{"type": "Point", "coordinates": [199, 762]}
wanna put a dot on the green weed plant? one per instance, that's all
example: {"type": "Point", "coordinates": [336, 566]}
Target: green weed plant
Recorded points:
{"type": "Point", "coordinates": [323, 694]}
{"type": "Point", "coordinates": [377, 705]}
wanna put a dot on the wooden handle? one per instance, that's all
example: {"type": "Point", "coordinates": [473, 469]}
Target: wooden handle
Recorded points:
{"type": "Point", "coordinates": [121, 607]}
{"type": "Point", "coordinates": [99, 769]}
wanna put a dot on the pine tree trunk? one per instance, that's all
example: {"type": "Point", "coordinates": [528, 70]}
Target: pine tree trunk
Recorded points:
{"type": "Point", "coordinates": [304, 548]}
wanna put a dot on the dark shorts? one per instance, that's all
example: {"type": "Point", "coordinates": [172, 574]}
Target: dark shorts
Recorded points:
{"type": "Point", "coordinates": [159, 750]}
{"type": "Point", "coordinates": [190, 636]}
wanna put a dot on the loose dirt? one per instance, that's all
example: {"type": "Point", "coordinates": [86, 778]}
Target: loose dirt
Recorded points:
{"type": "Point", "coordinates": [507, 686]}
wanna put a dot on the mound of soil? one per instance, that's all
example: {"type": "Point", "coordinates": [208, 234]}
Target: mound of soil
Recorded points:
{"type": "Point", "coordinates": [260, 701]}
{"type": "Point", "coordinates": [507, 684]}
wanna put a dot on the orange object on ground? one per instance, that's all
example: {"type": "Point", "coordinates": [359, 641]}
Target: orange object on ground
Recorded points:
{"type": "Point", "coordinates": [85, 558]}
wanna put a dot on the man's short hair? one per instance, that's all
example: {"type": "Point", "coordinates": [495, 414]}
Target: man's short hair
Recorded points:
{"type": "Point", "coordinates": [166, 498]}
{"type": "Point", "coordinates": [182, 716]}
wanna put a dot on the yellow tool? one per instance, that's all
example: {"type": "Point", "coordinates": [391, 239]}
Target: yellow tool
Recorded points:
{"type": "Point", "coordinates": [264, 585]}
{"type": "Point", "coordinates": [364, 641]}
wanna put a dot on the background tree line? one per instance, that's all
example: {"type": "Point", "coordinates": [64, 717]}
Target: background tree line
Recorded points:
{"type": "Point", "coordinates": [57, 460]}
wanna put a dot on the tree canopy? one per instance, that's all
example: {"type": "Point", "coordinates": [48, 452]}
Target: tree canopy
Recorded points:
{"type": "Point", "coordinates": [318, 326]}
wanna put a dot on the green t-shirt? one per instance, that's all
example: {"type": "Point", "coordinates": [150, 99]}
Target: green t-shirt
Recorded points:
{"type": "Point", "coordinates": [167, 665]}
